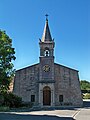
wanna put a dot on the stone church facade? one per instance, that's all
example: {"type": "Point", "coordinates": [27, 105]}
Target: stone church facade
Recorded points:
{"type": "Point", "coordinates": [47, 83]}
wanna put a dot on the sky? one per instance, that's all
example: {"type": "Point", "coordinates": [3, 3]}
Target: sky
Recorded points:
{"type": "Point", "coordinates": [69, 22]}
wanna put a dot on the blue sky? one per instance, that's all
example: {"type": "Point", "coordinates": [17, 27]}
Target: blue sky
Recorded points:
{"type": "Point", "coordinates": [69, 22]}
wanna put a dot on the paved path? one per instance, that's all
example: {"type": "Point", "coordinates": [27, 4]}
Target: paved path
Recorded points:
{"type": "Point", "coordinates": [63, 114]}
{"type": "Point", "coordinates": [84, 113]}
{"type": "Point", "coordinates": [9, 116]}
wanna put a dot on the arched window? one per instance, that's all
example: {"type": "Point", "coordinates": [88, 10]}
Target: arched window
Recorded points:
{"type": "Point", "coordinates": [46, 52]}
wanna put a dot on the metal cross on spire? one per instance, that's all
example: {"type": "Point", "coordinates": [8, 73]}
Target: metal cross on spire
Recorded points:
{"type": "Point", "coordinates": [46, 16]}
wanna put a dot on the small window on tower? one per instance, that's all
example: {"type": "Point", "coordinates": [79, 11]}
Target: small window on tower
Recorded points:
{"type": "Point", "coordinates": [46, 52]}
{"type": "Point", "coordinates": [32, 98]}
{"type": "Point", "coordinates": [60, 98]}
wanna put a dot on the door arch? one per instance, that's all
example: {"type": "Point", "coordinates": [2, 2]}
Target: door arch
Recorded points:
{"type": "Point", "coordinates": [46, 95]}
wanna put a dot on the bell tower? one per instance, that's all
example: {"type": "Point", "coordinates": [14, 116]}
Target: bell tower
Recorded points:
{"type": "Point", "coordinates": [46, 55]}
{"type": "Point", "coordinates": [46, 68]}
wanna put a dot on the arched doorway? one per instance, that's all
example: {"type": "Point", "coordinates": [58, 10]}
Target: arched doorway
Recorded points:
{"type": "Point", "coordinates": [46, 96]}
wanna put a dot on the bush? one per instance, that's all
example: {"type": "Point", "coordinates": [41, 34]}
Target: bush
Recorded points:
{"type": "Point", "coordinates": [27, 104]}
{"type": "Point", "coordinates": [11, 100]}
{"type": "Point", "coordinates": [86, 96]}
{"type": "Point", "coordinates": [1, 99]}
{"type": "Point", "coordinates": [4, 109]}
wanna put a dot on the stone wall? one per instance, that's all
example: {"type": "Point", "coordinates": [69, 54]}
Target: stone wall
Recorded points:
{"type": "Point", "coordinates": [26, 83]}
{"type": "Point", "coordinates": [67, 84]}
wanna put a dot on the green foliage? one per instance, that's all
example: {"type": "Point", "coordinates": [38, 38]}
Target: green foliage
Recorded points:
{"type": "Point", "coordinates": [4, 108]}
{"type": "Point", "coordinates": [86, 96]}
{"type": "Point", "coordinates": [11, 100]}
{"type": "Point", "coordinates": [1, 99]}
{"type": "Point", "coordinates": [27, 105]}
{"type": "Point", "coordinates": [85, 85]}
{"type": "Point", "coordinates": [6, 56]}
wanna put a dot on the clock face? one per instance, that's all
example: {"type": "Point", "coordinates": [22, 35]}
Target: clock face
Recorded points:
{"type": "Point", "coordinates": [46, 68]}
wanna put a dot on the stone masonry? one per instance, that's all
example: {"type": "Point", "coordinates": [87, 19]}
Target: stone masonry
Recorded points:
{"type": "Point", "coordinates": [48, 83]}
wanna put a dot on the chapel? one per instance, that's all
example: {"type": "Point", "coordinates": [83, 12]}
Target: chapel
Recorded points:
{"type": "Point", "coordinates": [48, 83]}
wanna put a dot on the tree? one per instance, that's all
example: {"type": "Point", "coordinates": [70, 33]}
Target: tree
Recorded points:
{"type": "Point", "coordinates": [85, 85]}
{"type": "Point", "coordinates": [6, 66]}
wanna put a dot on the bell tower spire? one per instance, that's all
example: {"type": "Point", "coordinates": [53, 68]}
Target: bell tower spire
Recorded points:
{"type": "Point", "coordinates": [46, 33]}
{"type": "Point", "coordinates": [46, 43]}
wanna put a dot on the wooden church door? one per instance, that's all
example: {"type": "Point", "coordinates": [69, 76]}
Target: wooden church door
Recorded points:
{"type": "Point", "coordinates": [46, 96]}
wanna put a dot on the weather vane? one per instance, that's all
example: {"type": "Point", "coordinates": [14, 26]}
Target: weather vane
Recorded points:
{"type": "Point", "coordinates": [46, 16]}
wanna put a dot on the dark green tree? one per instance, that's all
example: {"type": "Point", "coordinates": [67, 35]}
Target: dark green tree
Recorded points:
{"type": "Point", "coordinates": [85, 85]}
{"type": "Point", "coordinates": [6, 66]}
